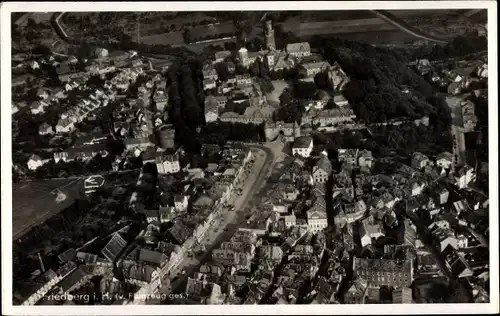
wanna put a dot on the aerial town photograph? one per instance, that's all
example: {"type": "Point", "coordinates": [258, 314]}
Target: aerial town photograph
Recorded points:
{"type": "Point", "coordinates": [250, 157]}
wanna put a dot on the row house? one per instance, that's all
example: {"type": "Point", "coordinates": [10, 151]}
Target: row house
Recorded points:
{"type": "Point", "coordinates": [298, 49]}
{"type": "Point", "coordinates": [328, 117]}
{"type": "Point", "coordinates": [388, 272]}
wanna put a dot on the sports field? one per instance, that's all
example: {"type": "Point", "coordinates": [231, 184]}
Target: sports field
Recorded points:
{"type": "Point", "coordinates": [36, 201]}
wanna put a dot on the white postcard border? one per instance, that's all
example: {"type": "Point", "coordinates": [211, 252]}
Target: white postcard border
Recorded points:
{"type": "Point", "coordinates": [6, 170]}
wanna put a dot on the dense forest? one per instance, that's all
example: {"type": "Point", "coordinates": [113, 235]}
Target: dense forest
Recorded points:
{"type": "Point", "coordinates": [460, 46]}
{"type": "Point", "coordinates": [390, 140]}
{"type": "Point", "coordinates": [378, 78]}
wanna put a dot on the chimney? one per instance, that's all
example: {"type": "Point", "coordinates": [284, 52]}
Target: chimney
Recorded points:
{"type": "Point", "coordinates": [42, 267]}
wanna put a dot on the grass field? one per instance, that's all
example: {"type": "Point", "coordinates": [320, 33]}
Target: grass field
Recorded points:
{"type": "Point", "coordinates": [34, 202]}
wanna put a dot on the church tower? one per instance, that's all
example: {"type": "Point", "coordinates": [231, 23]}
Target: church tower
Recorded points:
{"type": "Point", "coordinates": [269, 33]}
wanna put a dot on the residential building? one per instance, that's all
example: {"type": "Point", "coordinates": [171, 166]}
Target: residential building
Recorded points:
{"type": "Point", "coordinates": [167, 163]}
{"type": "Point", "coordinates": [299, 49]}
{"type": "Point", "coordinates": [205, 291]}
{"type": "Point", "coordinates": [419, 160]}
{"type": "Point", "coordinates": [45, 129]}
{"type": "Point", "coordinates": [317, 219]}
{"type": "Point", "coordinates": [101, 52]}
{"type": "Point", "coordinates": [161, 100]}
{"type": "Point", "coordinates": [271, 252]}
{"type": "Point", "coordinates": [417, 187]}
{"type": "Point", "coordinates": [469, 118]}
{"type": "Point", "coordinates": [464, 176]}
{"type": "Point", "coordinates": [337, 79]}
{"type": "Point", "coordinates": [402, 295]}
{"type": "Point", "coordinates": [303, 146]}
{"type": "Point", "coordinates": [444, 238]}
{"type": "Point", "coordinates": [462, 241]}
{"type": "Point", "coordinates": [482, 71]}
{"type": "Point", "coordinates": [369, 229]}
{"type": "Point", "coordinates": [365, 159]}
{"type": "Point", "coordinates": [38, 107]}
{"type": "Point", "coordinates": [181, 202]}
{"type": "Point", "coordinates": [440, 194]}
{"type": "Point", "coordinates": [310, 69]}
{"type": "Point", "coordinates": [35, 162]}
{"type": "Point", "coordinates": [423, 66]}
{"type": "Point", "coordinates": [457, 264]}
{"type": "Point", "coordinates": [65, 126]}
{"type": "Point", "coordinates": [212, 108]}
{"type": "Point", "coordinates": [389, 272]}
{"type": "Point", "coordinates": [209, 72]}
{"type": "Point", "coordinates": [349, 213]}
{"type": "Point", "coordinates": [328, 117]}
{"type": "Point", "coordinates": [444, 160]}
{"type": "Point", "coordinates": [222, 56]}
{"type": "Point", "coordinates": [349, 156]}
{"type": "Point", "coordinates": [322, 169]}
{"type": "Point", "coordinates": [209, 84]}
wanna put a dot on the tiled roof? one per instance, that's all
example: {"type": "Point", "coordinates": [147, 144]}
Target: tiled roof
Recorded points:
{"type": "Point", "coordinates": [302, 142]}
{"type": "Point", "coordinates": [298, 47]}
{"type": "Point", "coordinates": [114, 247]}
{"type": "Point", "coordinates": [152, 257]}
{"type": "Point", "coordinates": [324, 164]}
{"type": "Point", "coordinates": [388, 265]}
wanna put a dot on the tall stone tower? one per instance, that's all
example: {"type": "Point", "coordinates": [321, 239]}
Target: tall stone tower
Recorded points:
{"type": "Point", "coordinates": [269, 33]}
{"type": "Point", "coordinates": [243, 56]}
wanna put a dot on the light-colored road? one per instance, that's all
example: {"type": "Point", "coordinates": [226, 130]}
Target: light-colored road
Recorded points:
{"type": "Point", "coordinates": [459, 150]}
{"type": "Point", "coordinates": [406, 27]}
{"type": "Point", "coordinates": [230, 220]}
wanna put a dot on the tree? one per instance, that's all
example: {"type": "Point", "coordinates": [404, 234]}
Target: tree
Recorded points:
{"type": "Point", "coordinates": [222, 71]}
{"type": "Point", "coordinates": [285, 97]}
{"type": "Point", "coordinates": [266, 85]}
{"type": "Point", "coordinates": [321, 80]}
{"type": "Point", "coordinates": [305, 90]}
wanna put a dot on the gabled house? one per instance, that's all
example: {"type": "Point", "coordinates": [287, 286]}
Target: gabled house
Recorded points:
{"type": "Point", "coordinates": [349, 156]}
{"type": "Point", "coordinates": [181, 202]}
{"type": "Point", "coordinates": [322, 170]}
{"type": "Point", "coordinates": [419, 160]}
{"type": "Point", "coordinates": [45, 129]}
{"type": "Point", "coordinates": [444, 160]}
{"type": "Point", "coordinates": [365, 159]}
{"type": "Point", "coordinates": [303, 146]}
{"type": "Point", "coordinates": [35, 162]}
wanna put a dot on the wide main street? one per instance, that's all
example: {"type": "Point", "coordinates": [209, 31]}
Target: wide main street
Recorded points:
{"type": "Point", "coordinates": [459, 150]}
{"type": "Point", "coordinates": [228, 224]}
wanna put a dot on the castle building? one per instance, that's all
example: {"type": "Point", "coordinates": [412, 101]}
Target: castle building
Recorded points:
{"type": "Point", "coordinates": [269, 33]}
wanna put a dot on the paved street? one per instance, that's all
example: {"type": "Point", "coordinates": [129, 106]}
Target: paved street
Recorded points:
{"type": "Point", "coordinates": [265, 158]}
{"type": "Point", "coordinates": [459, 149]}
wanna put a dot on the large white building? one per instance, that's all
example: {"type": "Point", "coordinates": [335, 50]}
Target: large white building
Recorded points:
{"type": "Point", "coordinates": [303, 146]}
{"type": "Point", "coordinates": [167, 163]}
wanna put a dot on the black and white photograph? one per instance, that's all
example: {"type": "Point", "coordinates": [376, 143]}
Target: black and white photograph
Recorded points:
{"type": "Point", "coordinates": [207, 156]}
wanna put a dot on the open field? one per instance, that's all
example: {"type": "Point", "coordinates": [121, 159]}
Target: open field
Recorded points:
{"type": "Point", "coordinates": [34, 202]}
{"type": "Point", "coordinates": [393, 37]}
